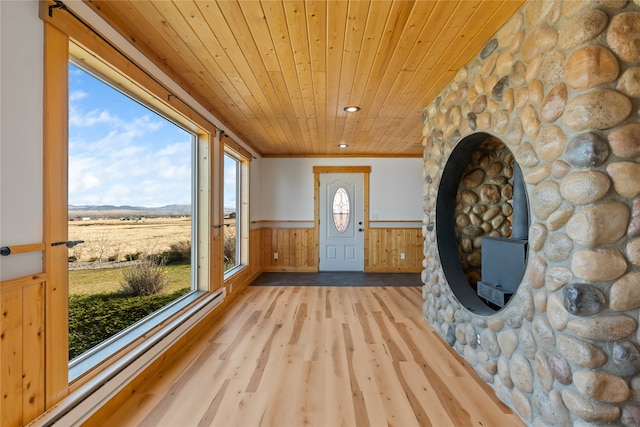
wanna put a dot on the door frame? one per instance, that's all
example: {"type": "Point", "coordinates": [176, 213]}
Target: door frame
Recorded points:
{"type": "Point", "coordinates": [317, 170]}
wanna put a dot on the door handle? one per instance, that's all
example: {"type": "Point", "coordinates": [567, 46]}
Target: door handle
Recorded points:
{"type": "Point", "coordinates": [361, 229]}
{"type": "Point", "coordinates": [68, 243]}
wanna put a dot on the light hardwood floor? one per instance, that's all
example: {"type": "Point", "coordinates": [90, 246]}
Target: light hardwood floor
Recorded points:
{"type": "Point", "coordinates": [317, 356]}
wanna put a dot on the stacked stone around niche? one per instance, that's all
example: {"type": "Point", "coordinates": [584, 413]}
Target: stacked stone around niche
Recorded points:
{"type": "Point", "coordinates": [559, 85]}
{"type": "Point", "coordinates": [483, 204]}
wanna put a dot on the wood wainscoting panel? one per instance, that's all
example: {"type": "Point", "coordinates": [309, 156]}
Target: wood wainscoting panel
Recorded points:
{"type": "Point", "coordinates": [386, 246]}
{"type": "Point", "coordinates": [255, 252]}
{"type": "Point", "coordinates": [22, 350]}
{"type": "Point", "coordinates": [296, 249]}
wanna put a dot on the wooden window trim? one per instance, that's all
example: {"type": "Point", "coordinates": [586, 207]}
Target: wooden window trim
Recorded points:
{"type": "Point", "coordinates": [56, 94]}
{"type": "Point", "coordinates": [95, 45]}
{"type": "Point", "coordinates": [64, 34]}
{"type": "Point", "coordinates": [243, 158]}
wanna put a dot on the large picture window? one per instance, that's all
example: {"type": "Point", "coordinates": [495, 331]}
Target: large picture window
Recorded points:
{"type": "Point", "coordinates": [128, 178]}
{"type": "Point", "coordinates": [130, 210]}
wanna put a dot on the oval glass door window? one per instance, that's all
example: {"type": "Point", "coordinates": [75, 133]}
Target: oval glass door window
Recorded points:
{"type": "Point", "coordinates": [341, 209]}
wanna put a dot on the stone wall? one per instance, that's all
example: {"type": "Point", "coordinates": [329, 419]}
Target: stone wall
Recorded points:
{"type": "Point", "coordinates": [560, 86]}
{"type": "Point", "coordinates": [483, 205]}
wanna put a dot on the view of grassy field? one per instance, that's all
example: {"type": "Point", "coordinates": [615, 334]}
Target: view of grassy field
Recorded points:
{"type": "Point", "coordinates": [114, 239]}
{"type": "Point", "coordinates": [99, 306]}
{"type": "Point", "coordinates": [95, 281]}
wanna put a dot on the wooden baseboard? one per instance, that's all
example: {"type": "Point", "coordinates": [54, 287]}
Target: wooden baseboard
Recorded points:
{"type": "Point", "coordinates": [290, 269]}
{"type": "Point", "coordinates": [392, 270]}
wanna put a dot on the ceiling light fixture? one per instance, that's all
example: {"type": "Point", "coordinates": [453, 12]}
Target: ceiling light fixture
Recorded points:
{"type": "Point", "coordinates": [352, 108]}
{"type": "Point", "coordinates": [343, 145]}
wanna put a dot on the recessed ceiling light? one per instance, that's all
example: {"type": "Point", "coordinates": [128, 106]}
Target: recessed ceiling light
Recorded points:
{"type": "Point", "coordinates": [343, 145]}
{"type": "Point", "coordinates": [352, 108]}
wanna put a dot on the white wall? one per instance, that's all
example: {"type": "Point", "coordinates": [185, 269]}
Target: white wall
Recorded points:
{"type": "Point", "coordinates": [21, 76]}
{"type": "Point", "coordinates": [283, 190]}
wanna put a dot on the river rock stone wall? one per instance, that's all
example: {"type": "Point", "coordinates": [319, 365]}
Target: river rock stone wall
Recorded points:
{"type": "Point", "coordinates": [560, 86]}
{"type": "Point", "coordinates": [483, 205]}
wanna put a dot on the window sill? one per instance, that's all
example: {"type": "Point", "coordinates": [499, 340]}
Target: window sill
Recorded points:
{"type": "Point", "coordinates": [85, 399]}
{"type": "Point", "coordinates": [93, 358]}
{"type": "Point", "coordinates": [233, 271]}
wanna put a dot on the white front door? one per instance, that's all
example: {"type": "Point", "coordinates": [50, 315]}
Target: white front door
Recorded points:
{"type": "Point", "coordinates": [341, 222]}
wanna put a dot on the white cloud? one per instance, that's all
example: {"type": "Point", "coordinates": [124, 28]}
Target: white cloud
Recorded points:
{"type": "Point", "coordinates": [81, 174]}
{"type": "Point", "coordinates": [118, 159]}
{"type": "Point", "coordinates": [117, 194]}
{"type": "Point", "coordinates": [84, 183]}
{"type": "Point", "coordinates": [77, 95]}
{"type": "Point", "coordinates": [127, 170]}
{"type": "Point", "coordinates": [175, 148]}
{"type": "Point", "coordinates": [91, 118]}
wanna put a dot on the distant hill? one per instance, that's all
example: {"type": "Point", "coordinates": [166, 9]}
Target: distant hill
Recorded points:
{"type": "Point", "coordinates": [116, 211]}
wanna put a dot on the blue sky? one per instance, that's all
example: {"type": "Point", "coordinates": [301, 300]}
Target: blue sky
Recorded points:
{"type": "Point", "coordinates": [121, 153]}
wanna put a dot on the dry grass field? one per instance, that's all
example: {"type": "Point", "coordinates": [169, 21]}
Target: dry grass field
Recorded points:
{"type": "Point", "coordinates": [100, 302]}
{"type": "Point", "coordinates": [114, 239]}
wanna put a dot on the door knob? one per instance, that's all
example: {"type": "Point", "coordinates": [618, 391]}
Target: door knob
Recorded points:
{"type": "Point", "coordinates": [361, 229]}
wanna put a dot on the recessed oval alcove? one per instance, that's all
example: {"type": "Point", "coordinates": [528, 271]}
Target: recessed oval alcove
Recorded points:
{"type": "Point", "coordinates": [482, 223]}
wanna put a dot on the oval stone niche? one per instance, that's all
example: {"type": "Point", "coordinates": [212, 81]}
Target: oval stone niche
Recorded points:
{"type": "Point", "coordinates": [482, 223]}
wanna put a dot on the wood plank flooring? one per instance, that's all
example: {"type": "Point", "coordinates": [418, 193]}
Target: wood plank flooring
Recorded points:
{"type": "Point", "coordinates": [317, 356]}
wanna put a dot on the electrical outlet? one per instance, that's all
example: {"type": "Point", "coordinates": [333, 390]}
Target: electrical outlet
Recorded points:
{"type": "Point", "coordinates": [275, 255]}
{"type": "Point", "coordinates": [402, 255]}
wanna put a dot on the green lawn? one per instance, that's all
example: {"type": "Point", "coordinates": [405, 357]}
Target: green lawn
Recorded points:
{"type": "Point", "coordinates": [98, 310]}
{"type": "Point", "coordinates": [87, 282]}
{"type": "Point", "coordinates": [94, 318]}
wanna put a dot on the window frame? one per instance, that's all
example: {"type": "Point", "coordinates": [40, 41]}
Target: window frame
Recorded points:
{"type": "Point", "coordinates": [238, 211]}
{"type": "Point", "coordinates": [63, 36]}
{"type": "Point", "coordinates": [243, 159]}
{"type": "Point", "coordinates": [128, 336]}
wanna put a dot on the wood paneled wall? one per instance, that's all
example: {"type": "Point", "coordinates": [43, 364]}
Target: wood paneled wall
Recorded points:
{"type": "Point", "coordinates": [386, 246]}
{"type": "Point", "coordinates": [255, 252]}
{"type": "Point", "coordinates": [297, 250]}
{"type": "Point", "coordinates": [22, 350]}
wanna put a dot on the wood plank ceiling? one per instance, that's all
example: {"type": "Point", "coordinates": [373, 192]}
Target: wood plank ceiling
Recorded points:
{"type": "Point", "coordinates": [278, 73]}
